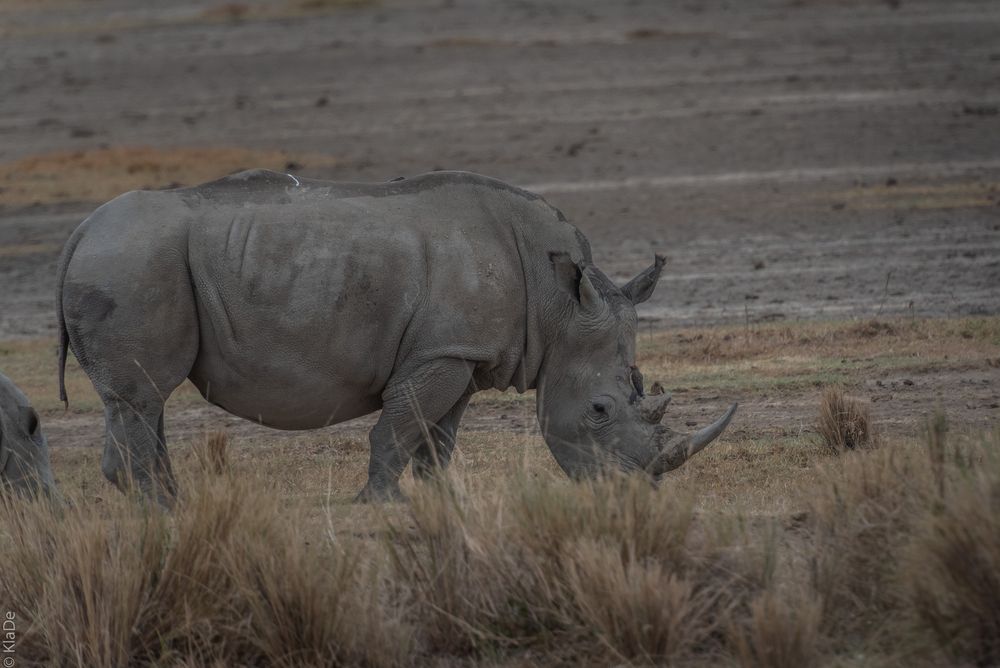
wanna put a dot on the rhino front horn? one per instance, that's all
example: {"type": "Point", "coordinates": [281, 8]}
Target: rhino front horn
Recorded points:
{"type": "Point", "coordinates": [675, 449]}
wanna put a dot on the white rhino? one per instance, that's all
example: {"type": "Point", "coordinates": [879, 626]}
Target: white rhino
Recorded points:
{"type": "Point", "coordinates": [299, 303]}
{"type": "Point", "coordinates": [24, 452]}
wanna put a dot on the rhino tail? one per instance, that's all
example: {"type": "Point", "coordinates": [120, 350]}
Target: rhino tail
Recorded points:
{"type": "Point", "coordinates": [63, 267]}
{"type": "Point", "coordinates": [63, 345]}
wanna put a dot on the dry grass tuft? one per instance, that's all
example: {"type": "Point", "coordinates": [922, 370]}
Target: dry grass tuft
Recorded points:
{"type": "Point", "coordinates": [96, 175]}
{"type": "Point", "coordinates": [613, 569]}
{"type": "Point", "coordinates": [211, 452]}
{"type": "Point", "coordinates": [870, 329]}
{"type": "Point", "coordinates": [894, 559]}
{"type": "Point", "coordinates": [844, 423]}
{"type": "Point", "coordinates": [951, 578]}
{"type": "Point", "coordinates": [780, 632]}
{"type": "Point", "coordinates": [225, 579]}
{"type": "Point", "coordinates": [859, 517]}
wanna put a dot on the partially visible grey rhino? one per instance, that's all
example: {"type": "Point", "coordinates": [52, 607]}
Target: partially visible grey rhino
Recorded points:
{"type": "Point", "coordinates": [24, 452]}
{"type": "Point", "coordinates": [298, 304]}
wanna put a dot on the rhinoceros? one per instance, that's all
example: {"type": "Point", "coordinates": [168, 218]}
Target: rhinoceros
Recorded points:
{"type": "Point", "coordinates": [24, 452]}
{"type": "Point", "coordinates": [301, 303]}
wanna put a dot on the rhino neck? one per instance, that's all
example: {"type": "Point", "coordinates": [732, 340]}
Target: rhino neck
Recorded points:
{"type": "Point", "coordinates": [535, 236]}
{"type": "Point", "coordinates": [533, 351]}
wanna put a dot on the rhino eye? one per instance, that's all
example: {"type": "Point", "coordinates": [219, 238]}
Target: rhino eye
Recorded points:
{"type": "Point", "coordinates": [601, 407]}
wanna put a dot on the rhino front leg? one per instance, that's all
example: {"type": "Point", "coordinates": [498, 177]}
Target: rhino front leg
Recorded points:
{"type": "Point", "coordinates": [411, 408]}
{"type": "Point", "coordinates": [428, 459]}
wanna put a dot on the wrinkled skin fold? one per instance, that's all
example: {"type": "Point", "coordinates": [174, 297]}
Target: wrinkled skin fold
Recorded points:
{"type": "Point", "coordinates": [298, 304]}
{"type": "Point", "coordinates": [24, 452]}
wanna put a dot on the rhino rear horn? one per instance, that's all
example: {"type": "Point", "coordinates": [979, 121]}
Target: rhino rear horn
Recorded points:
{"type": "Point", "coordinates": [653, 406]}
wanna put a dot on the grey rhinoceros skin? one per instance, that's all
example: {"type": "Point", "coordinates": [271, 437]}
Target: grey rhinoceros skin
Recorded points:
{"type": "Point", "coordinates": [299, 303]}
{"type": "Point", "coordinates": [24, 452]}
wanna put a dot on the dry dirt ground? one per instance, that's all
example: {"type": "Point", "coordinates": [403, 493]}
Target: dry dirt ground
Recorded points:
{"type": "Point", "coordinates": [797, 161]}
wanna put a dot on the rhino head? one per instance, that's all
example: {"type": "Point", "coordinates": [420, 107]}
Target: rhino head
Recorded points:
{"type": "Point", "coordinates": [24, 452]}
{"type": "Point", "coordinates": [592, 404]}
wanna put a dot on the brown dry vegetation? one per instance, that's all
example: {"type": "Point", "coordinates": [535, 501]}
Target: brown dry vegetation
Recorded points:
{"type": "Point", "coordinates": [844, 423]}
{"type": "Point", "coordinates": [815, 353]}
{"type": "Point", "coordinates": [777, 358]}
{"type": "Point", "coordinates": [892, 558]}
{"type": "Point", "coordinates": [218, 12]}
{"type": "Point", "coordinates": [764, 550]}
{"type": "Point", "coordinates": [99, 174]}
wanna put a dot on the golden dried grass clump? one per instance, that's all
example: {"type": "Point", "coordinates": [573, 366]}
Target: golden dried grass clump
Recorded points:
{"type": "Point", "coordinates": [951, 573]}
{"type": "Point", "coordinates": [781, 631]}
{"type": "Point", "coordinates": [226, 579]}
{"type": "Point", "coordinates": [869, 329]}
{"type": "Point", "coordinates": [894, 558]}
{"type": "Point", "coordinates": [211, 452]}
{"type": "Point", "coordinates": [844, 423]}
{"type": "Point", "coordinates": [96, 175]}
{"type": "Point", "coordinates": [613, 571]}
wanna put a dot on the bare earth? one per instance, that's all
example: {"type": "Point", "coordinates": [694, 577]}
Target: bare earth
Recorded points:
{"type": "Point", "coordinates": [794, 160]}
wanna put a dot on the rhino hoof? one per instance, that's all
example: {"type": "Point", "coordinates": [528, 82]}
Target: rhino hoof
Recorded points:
{"type": "Point", "coordinates": [381, 494]}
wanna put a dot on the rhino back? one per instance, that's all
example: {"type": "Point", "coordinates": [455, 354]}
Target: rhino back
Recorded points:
{"type": "Point", "coordinates": [311, 296]}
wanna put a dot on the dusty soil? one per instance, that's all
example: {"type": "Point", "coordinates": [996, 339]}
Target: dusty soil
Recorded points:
{"type": "Point", "coordinates": [794, 160]}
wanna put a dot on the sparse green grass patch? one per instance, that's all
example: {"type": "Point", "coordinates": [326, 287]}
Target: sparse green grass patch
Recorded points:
{"type": "Point", "coordinates": [780, 358]}
{"type": "Point", "coordinates": [791, 357]}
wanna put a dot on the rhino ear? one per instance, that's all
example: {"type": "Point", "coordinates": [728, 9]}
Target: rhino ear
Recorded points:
{"type": "Point", "coordinates": [640, 288]}
{"type": "Point", "coordinates": [572, 280]}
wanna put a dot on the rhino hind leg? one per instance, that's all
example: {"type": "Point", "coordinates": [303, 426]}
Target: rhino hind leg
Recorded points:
{"type": "Point", "coordinates": [135, 450]}
{"type": "Point", "coordinates": [431, 458]}
{"type": "Point", "coordinates": [135, 333]}
{"type": "Point", "coordinates": [412, 405]}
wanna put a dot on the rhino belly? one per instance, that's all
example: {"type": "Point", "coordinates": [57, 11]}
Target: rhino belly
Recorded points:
{"type": "Point", "coordinates": [289, 397]}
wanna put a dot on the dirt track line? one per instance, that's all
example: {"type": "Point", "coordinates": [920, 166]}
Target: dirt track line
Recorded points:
{"type": "Point", "coordinates": [625, 113]}
{"type": "Point", "coordinates": [794, 175]}
{"type": "Point", "coordinates": [783, 103]}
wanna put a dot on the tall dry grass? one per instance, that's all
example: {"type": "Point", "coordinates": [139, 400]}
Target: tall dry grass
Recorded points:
{"type": "Point", "coordinates": [951, 577]}
{"type": "Point", "coordinates": [226, 578]}
{"type": "Point", "coordinates": [893, 559]}
{"type": "Point", "coordinates": [614, 570]}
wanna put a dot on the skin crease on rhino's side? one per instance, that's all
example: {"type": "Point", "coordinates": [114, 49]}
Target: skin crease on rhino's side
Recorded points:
{"type": "Point", "coordinates": [300, 303]}
{"type": "Point", "coordinates": [24, 452]}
